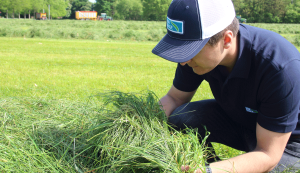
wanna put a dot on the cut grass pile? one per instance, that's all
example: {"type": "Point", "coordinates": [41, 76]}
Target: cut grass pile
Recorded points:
{"type": "Point", "coordinates": [118, 132]}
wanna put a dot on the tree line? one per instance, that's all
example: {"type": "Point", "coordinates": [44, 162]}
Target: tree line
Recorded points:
{"type": "Point", "coordinates": [269, 11]}
{"type": "Point", "coordinates": [27, 8]}
{"type": "Point", "coordinates": [255, 11]}
{"type": "Point", "coordinates": [58, 8]}
{"type": "Point", "coordinates": [153, 10]}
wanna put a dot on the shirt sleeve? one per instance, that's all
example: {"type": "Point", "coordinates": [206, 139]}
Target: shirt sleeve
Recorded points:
{"type": "Point", "coordinates": [185, 79]}
{"type": "Point", "coordinates": [280, 99]}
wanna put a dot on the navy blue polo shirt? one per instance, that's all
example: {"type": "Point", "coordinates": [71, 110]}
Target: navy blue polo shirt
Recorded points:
{"type": "Point", "coordinates": [263, 87]}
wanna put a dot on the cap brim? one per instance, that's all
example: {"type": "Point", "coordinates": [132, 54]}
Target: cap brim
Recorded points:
{"type": "Point", "coordinates": [178, 50]}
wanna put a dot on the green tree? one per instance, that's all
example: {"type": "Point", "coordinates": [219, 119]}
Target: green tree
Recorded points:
{"type": "Point", "coordinates": [4, 6]}
{"type": "Point", "coordinates": [129, 9]}
{"type": "Point", "coordinates": [68, 10]}
{"type": "Point", "coordinates": [80, 5]}
{"type": "Point", "coordinates": [277, 11]}
{"type": "Point", "coordinates": [26, 7]}
{"type": "Point", "coordinates": [252, 10]}
{"type": "Point", "coordinates": [105, 6]}
{"type": "Point", "coordinates": [263, 11]}
{"type": "Point", "coordinates": [87, 6]}
{"type": "Point", "coordinates": [156, 9]}
{"type": "Point", "coordinates": [16, 6]}
{"type": "Point", "coordinates": [293, 12]}
{"type": "Point", "coordinates": [36, 6]}
{"type": "Point", "coordinates": [57, 8]}
{"type": "Point", "coordinates": [237, 5]}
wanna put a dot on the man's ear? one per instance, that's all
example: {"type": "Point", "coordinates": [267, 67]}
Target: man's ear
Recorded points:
{"type": "Point", "coordinates": [228, 38]}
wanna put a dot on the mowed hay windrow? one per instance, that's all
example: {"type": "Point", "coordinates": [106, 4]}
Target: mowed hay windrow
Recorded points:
{"type": "Point", "coordinates": [113, 30]}
{"type": "Point", "coordinates": [91, 30]}
{"type": "Point", "coordinates": [132, 135]}
{"type": "Point", "coordinates": [122, 132]}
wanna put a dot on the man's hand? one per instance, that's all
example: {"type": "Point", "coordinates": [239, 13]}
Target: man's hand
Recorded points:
{"type": "Point", "coordinates": [187, 168]}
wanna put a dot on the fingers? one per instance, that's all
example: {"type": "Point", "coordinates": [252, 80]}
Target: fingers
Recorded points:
{"type": "Point", "coordinates": [198, 171]}
{"type": "Point", "coordinates": [186, 169]}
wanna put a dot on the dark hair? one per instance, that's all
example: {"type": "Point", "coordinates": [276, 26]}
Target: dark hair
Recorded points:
{"type": "Point", "coordinates": [234, 27]}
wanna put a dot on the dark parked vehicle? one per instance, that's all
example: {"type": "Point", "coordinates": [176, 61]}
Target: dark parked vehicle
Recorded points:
{"type": "Point", "coordinates": [104, 17]}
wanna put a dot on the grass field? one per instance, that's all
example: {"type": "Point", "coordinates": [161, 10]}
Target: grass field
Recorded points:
{"type": "Point", "coordinates": [76, 69]}
{"type": "Point", "coordinates": [49, 96]}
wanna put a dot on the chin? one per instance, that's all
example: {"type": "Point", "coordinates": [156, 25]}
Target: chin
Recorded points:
{"type": "Point", "coordinates": [200, 72]}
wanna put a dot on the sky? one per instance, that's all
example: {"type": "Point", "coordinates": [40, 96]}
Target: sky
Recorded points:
{"type": "Point", "coordinates": [92, 1]}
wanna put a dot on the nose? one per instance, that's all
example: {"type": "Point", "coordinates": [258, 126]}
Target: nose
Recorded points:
{"type": "Point", "coordinates": [184, 63]}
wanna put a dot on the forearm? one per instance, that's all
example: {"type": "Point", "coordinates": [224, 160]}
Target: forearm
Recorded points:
{"type": "Point", "coordinates": [175, 98]}
{"type": "Point", "coordinates": [168, 104]}
{"type": "Point", "coordinates": [255, 161]}
{"type": "Point", "coordinates": [268, 152]}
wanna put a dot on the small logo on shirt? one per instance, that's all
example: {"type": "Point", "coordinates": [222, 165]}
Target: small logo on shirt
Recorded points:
{"type": "Point", "coordinates": [251, 110]}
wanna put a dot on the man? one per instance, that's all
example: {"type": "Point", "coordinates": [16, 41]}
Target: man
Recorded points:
{"type": "Point", "coordinates": [254, 75]}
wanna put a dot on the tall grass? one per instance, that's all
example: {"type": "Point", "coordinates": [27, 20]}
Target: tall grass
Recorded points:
{"type": "Point", "coordinates": [290, 31]}
{"type": "Point", "coordinates": [118, 132]}
{"type": "Point", "coordinates": [76, 29]}
{"type": "Point", "coordinates": [279, 28]}
{"type": "Point", "coordinates": [112, 30]}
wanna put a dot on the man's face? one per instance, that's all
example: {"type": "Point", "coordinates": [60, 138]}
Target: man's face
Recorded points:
{"type": "Point", "coordinates": [207, 59]}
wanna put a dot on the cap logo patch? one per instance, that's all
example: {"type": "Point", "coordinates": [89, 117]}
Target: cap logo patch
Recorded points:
{"type": "Point", "coordinates": [175, 26]}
